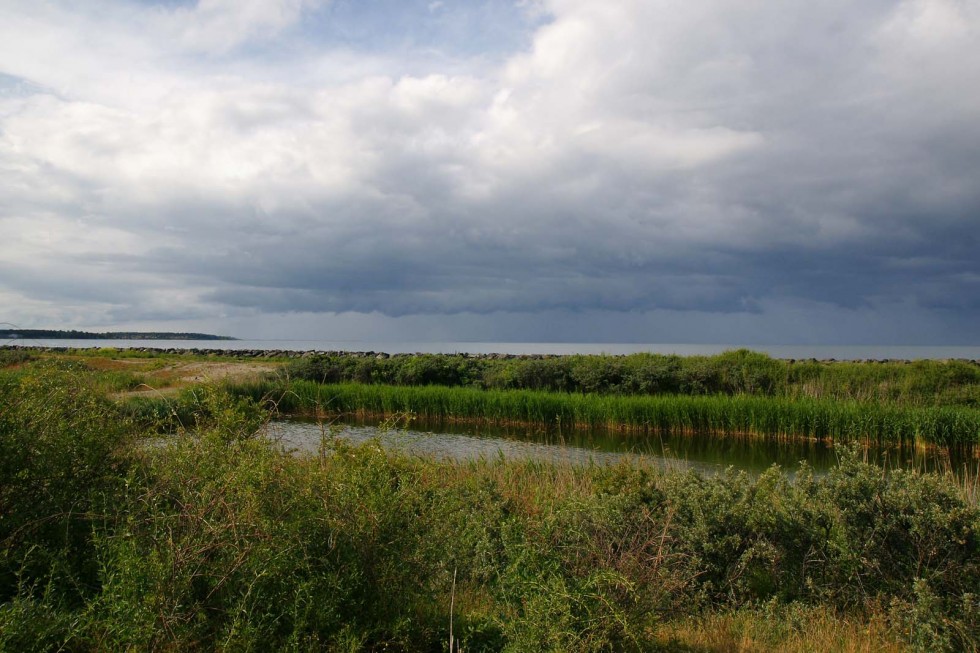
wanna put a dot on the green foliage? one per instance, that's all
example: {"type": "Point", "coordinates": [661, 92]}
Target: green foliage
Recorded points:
{"type": "Point", "coordinates": [33, 620]}
{"type": "Point", "coordinates": [231, 546]}
{"type": "Point", "coordinates": [930, 621]}
{"type": "Point", "coordinates": [213, 539]}
{"type": "Point", "coordinates": [741, 414]}
{"type": "Point", "coordinates": [921, 383]}
{"type": "Point", "coordinates": [193, 409]}
{"type": "Point", "coordinates": [59, 464]}
{"type": "Point", "coordinates": [747, 372]}
{"type": "Point", "coordinates": [10, 357]}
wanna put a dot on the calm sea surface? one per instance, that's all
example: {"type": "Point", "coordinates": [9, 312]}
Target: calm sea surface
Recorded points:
{"type": "Point", "coordinates": [822, 352]}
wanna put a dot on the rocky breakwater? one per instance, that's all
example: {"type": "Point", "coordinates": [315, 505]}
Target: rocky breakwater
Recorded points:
{"type": "Point", "coordinates": [298, 354]}
{"type": "Point", "coordinates": [272, 353]}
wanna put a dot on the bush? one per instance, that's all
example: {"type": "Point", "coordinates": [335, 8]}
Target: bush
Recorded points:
{"type": "Point", "coordinates": [748, 372]}
{"type": "Point", "coordinates": [9, 357]}
{"type": "Point", "coordinates": [60, 465]}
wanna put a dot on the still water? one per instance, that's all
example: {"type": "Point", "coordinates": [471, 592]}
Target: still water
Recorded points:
{"type": "Point", "coordinates": [822, 352]}
{"type": "Point", "coordinates": [706, 454]}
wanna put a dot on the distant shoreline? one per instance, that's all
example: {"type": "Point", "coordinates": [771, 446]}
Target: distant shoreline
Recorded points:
{"type": "Point", "coordinates": [51, 334]}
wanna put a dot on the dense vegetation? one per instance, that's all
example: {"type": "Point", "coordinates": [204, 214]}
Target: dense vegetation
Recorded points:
{"type": "Point", "coordinates": [212, 539]}
{"type": "Point", "coordinates": [776, 417]}
{"type": "Point", "coordinates": [954, 383]}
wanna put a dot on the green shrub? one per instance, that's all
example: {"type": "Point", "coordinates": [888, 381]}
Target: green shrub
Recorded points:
{"type": "Point", "coordinates": [748, 372]}
{"type": "Point", "coordinates": [229, 544]}
{"type": "Point", "coordinates": [9, 357]}
{"type": "Point", "coordinates": [59, 466]}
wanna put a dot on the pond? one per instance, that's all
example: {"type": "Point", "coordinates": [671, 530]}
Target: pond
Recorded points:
{"type": "Point", "coordinates": [706, 454]}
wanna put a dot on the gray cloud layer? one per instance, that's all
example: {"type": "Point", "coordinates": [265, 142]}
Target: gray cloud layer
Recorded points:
{"type": "Point", "coordinates": [640, 168]}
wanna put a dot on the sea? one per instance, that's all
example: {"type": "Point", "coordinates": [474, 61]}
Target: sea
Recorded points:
{"type": "Point", "coordinates": [819, 352]}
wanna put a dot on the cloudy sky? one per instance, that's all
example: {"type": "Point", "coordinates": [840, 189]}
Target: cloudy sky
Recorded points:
{"type": "Point", "coordinates": [538, 170]}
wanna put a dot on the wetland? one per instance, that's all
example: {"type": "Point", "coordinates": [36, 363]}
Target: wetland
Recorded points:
{"type": "Point", "coordinates": [372, 503]}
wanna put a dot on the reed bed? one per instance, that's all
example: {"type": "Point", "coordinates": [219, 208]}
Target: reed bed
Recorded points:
{"type": "Point", "coordinates": [774, 417]}
{"type": "Point", "coordinates": [922, 383]}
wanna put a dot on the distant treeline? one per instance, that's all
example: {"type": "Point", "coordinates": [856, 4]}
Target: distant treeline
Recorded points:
{"type": "Point", "coordinates": [924, 383]}
{"type": "Point", "coordinates": [55, 334]}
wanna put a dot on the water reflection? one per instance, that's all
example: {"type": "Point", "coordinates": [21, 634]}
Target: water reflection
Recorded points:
{"type": "Point", "coordinates": [709, 454]}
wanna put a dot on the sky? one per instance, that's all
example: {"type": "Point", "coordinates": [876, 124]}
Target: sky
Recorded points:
{"type": "Point", "coordinates": [705, 171]}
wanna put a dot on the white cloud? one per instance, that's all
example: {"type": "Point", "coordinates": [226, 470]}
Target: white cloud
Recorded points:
{"type": "Point", "coordinates": [220, 25]}
{"type": "Point", "coordinates": [638, 156]}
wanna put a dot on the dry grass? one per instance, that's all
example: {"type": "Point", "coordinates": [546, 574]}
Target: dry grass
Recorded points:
{"type": "Point", "coordinates": [104, 364]}
{"type": "Point", "coordinates": [791, 631]}
{"type": "Point", "coordinates": [169, 376]}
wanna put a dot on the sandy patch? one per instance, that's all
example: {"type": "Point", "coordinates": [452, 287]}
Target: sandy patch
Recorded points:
{"type": "Point", "coordinates": [170, 378]}
{"type": "Point", "coordinates": [221, 371]}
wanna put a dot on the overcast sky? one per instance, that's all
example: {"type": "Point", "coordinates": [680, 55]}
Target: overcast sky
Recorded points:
{"type": "Point", "coordinates": [543, 170]}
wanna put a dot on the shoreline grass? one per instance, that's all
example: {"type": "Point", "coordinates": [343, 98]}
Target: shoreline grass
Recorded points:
{"type": "Point", "coordinates": [771, 417]}
{"type": "Point", "coordinates": [921, 383]}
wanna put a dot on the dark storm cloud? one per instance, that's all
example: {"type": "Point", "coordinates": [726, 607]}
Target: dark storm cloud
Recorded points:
{"type": "Point", "coordinates": [636, 159]}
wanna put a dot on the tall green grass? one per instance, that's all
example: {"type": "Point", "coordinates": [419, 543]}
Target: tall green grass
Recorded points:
{"type": "Point", "coordinates": [840, 421]}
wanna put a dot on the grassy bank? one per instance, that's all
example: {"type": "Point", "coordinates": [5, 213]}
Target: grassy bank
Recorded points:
{"type": "Point", "coordinates": [920, 383]}
{"type": "Point", "coordinates": [775, 417]}
{"type": "Point", "coordinates": [217, 541]}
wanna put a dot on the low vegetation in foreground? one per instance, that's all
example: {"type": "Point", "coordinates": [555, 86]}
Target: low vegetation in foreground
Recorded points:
{"type": "Point", "coordinates": [115, 538]}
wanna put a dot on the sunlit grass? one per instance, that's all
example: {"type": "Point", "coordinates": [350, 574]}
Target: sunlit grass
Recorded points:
{"type": "Point", "coordinates": [775, 417]}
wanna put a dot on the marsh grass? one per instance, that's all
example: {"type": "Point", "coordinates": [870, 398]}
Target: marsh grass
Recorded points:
{"type": "Point", "coordinates": [773, 417]}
